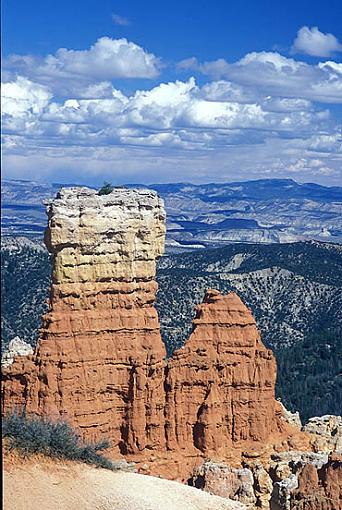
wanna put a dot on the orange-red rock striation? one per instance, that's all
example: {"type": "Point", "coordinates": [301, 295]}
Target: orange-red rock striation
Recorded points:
{"type": "Point", "coordinates": [100, 361]}
{"type": "Point", "coordinates": [220, 385]}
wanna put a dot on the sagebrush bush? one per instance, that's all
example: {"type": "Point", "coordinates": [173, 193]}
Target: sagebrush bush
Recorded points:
{"type": "Point", "coordinates": [54, 439]}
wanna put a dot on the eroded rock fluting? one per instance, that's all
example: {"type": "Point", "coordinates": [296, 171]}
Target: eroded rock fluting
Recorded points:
{"type": "Point", "coordinates": [100, 361]}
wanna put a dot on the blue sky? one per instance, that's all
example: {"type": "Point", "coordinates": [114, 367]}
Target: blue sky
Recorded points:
{"type": "Point", "coordinates": [172, 91]}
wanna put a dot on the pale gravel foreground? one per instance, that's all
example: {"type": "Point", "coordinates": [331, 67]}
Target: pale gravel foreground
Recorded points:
{"type": "Point", "coordinates": [68, 486]}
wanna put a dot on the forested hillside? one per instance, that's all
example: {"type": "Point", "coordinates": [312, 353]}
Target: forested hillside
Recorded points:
{"type": "Point", "coordinates": [25, 280]}
{"type": "Point", "coordinates": [310, 374]}
{"type": "Point", "coordinates": [292, 289]}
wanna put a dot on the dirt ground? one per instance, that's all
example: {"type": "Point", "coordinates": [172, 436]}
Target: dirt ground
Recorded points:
{"type": "Point", "coordinates": [39, 483]}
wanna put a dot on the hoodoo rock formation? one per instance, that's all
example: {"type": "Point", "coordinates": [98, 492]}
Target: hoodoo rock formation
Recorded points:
{"type": "Point", "coordinates": [220, 385]}
{"type": "Point", "coordinates": [100, 360]}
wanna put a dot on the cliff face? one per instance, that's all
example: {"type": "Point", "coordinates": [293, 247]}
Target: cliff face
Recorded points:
{"type": "Point", "coordinates": [100, 361]}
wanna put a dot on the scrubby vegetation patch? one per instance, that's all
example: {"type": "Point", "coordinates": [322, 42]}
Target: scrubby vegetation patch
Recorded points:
{"type": "Point", "coordinates": [53, 439]}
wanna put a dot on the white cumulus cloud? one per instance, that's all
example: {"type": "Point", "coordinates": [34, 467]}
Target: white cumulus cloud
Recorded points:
{"type": "Point", "coordinates": [269, 73]}
{"type": "Point", "coordinates": [22, 96]}
{"type": "Point", "coordinates": [311, 41]}
{"type": "Point", "coordinates": [168, 114]}
{"type": "Point", "coordinates": [105, 60]}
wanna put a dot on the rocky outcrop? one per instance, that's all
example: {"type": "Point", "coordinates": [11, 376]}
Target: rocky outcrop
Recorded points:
{"type": "Point", "coordinates": [292, 418]}
{"type": "Point", "coordinates": [320, 489]}
{"type": "Point", "coordinates": [99, 361]}
{"type": "Point", "coordinates": [221, 480]}
{"type": "Point", "coordinates": [282, 493]}
{"type": "Point", "coordinates": [327, 431]}
{"type": "Point", "coordinates": [263, 486]}
{"type": "Point", "coordinates": [292, 481]}
{"type": "Point", "coordinates": [306, 480]}
{"type": "Point", "coordinates": [16, 347]}
{"type": "Point", "coordinates": [285, 469]}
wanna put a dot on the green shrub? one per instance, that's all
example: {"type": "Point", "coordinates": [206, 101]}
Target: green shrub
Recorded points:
{"type": "Point", "coordinates": [54, 439]}
{"type": "Point", "coordinates": [106, 189]}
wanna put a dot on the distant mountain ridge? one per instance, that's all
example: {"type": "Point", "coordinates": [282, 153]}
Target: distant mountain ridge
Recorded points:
{"type": "Point", "coordinates": [256, 189]}
{"type": "Point", "coordinates": [208, 215]}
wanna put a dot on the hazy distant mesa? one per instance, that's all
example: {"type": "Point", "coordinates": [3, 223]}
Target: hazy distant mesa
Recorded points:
{"type": "Point", "coordinates": [209, 215]}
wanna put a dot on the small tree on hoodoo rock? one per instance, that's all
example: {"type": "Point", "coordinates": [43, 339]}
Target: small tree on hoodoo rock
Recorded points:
{"type": "Point", "coordinates": [106, 189]}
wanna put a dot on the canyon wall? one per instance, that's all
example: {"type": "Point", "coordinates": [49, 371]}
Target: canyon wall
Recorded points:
{"type": "Point", "coordinates": [100, 361]}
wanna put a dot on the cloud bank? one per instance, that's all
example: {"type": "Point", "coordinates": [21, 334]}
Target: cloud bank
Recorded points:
{"type": "Point", "coordinates": [274, 74]}
{"type": "Point", "coordinates": [265, 115]}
